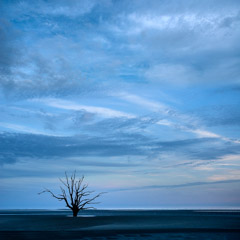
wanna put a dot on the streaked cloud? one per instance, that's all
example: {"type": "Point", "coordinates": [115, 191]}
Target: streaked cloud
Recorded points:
{"type": "Point", "coordinates": [69, 105]}
{"type": "Point", "coordinates": [180, 185]}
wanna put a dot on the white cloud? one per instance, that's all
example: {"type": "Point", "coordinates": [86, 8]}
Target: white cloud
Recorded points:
{"type": "Point", "coordinates": [173, 118]}
{"type": "Point", "coordinates": [70, 105]}
{"type": "Point", "coordinates": [165, 122]}
{"type": "Point", "coordinates": [140, 22]}
{"type": "Point", "coordinates": [152, 105]}
{"type": "Point", "coordinates": [172, 74]}
{"type": "Point", "coordinates": [160, 22]}
{"type": "Point", "coordinates": [24, 129]}
{"type": "Point", "coordinates": [72, 8]}
{"type": "Point", "coordinates": [229, 175]}
{"type": "Point", "coordinates": [204, 133]}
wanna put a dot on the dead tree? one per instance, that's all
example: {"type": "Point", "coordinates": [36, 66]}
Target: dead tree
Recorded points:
{"type": "Point", "coordinates": [75, 194]}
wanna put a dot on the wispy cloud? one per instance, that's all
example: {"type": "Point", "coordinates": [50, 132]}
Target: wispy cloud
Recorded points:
{"type": "Point", "coordinates": [174, 118]}
{"type": "Point", "coordinates": [152, 105]}
{"type": "Point", "coordinates": [38, 146]}
{"type": "Point", "coordinates": [22, 128]}
{"type": "Point", "coordinates": [192, 184]}
{"type": "Point", "coordinates": [70, 105]}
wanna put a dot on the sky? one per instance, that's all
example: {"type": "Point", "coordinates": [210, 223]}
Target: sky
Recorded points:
{"type": "Point", "coordinates": [141, 97]}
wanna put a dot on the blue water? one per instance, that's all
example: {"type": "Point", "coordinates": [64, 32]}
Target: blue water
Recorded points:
{"type": "Point", "coordinates": [120, 224]}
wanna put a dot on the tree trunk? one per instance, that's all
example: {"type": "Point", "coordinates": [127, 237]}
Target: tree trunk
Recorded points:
{"type": "Point", "coordinates": [75, 212]}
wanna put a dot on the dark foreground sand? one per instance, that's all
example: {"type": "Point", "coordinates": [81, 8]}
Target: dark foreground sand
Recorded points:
{"type": "Point", "coordinates": [211, 225]}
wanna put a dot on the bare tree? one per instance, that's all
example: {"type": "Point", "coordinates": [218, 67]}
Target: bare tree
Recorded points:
{"type": "Point", "coordinates": [75, 194]}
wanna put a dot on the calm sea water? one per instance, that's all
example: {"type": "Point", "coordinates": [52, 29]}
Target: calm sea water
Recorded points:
{"type": "Point", "coordinates": [120, 224]}
{"type": "Point", "coordinates": [122, 212]}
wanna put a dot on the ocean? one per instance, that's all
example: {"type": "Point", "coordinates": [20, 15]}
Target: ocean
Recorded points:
{"type": "Point", "coordinates": [120, 224]}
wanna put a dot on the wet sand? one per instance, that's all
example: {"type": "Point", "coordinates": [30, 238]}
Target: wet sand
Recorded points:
{"type": "Point", "coordinates": [120, 225]}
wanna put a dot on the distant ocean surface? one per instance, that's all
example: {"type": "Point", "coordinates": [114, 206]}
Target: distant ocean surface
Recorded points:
{"type": "Point", "coordinates": [120, 224]}
{"type": "Point", "coordinates": [118, 212]}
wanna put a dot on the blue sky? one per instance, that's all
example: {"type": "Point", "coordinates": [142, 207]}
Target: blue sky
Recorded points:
{"type": "Point", "coordinates": [142, 97]}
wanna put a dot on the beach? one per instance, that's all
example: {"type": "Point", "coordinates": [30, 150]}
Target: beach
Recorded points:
{"type": "Point", "coordinates": [120, 224]}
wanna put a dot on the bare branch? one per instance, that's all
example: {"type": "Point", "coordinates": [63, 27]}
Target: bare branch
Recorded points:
{"type": "Point", "coordinates": [63, 182]}
{"type": "Point", "coordinates": [47, 190]}
{"type": "Point", "coordinates": [75, 194]}
{"type": "Point", "coordinates": [89, 201]}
